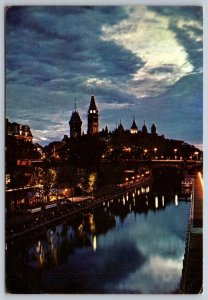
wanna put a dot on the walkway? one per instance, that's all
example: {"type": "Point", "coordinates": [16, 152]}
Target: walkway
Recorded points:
{"type": "Point", "coordinates": [58, 214]}
{"type": "Point", "coordinates": [192, 275]}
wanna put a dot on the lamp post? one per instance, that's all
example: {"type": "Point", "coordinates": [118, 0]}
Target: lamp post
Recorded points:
{"type": "Point", "coordinates": [155, 149]}
{"type": "Point", "coordinates": [175, 151]}
{"type": "Point", "coordinates": [145, 152]}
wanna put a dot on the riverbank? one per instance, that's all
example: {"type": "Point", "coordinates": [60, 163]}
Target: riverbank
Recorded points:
{"type": "Point", "coordinates": [23, 224]}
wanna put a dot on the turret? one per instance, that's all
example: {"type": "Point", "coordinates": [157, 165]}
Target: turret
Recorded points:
{"type": "Point", "coordinates": [75, 123]}
{"type": "Point", "coordinates": [144, 129]}
{"type": "Point", "coordinates": [134, 128]}
{"type": "Point", "coordinates": [153, 129]}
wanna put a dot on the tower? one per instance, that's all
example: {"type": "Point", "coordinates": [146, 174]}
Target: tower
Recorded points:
{"type": "Point", "coordinates": [93, 125]}
{"type": "Point", "coordinates": [120, 130]}
{"type": "Point", "coordinates": [134, 128]}
{"type": "Point", "coordinates": [153, 129]}
{"type": "Point", "coordinates": [75, 123]}
{"type": "Point", "coordinates": [144, 129]}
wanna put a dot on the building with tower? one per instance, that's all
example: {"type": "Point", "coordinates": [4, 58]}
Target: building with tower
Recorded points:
{"type": "Point", "coordinates": [75, 124]}
{"type": "Point", "coordinates": [93, 123]}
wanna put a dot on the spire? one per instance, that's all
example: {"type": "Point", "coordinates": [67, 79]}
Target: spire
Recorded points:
{"type": "Point", "coordinates": [134, 128]}
{"type": "Point", "coordinates": [93, 106]}
{"type": "Point", "coordinates": [75, 104]}
{"type": "Point", "coordinates": [144, 128]}
{"type": "Point", "coordinates": [120, 128]}
{"type": "Point", "coordinates": [153, 129]}
{"type": "Point", "coordinates": [134, 125]}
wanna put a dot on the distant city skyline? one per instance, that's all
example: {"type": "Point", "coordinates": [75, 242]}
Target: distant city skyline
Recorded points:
{"type": "Point", "coordinates": [142, 61]}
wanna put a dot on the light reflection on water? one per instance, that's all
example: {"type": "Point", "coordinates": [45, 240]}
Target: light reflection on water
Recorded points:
{"type": "Point", "coordinates": [134, 245]}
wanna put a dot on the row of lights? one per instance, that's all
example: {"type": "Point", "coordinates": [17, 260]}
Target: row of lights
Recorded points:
{"type": "Point", "coordinates": [137, 176]}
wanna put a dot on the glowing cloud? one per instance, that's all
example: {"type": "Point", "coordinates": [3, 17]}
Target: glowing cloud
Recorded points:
{"type": "Point", "coordinates": [147, 35]}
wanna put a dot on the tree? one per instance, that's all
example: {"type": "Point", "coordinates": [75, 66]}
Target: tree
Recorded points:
{"type": "Point", "coordinates": [45, 177]}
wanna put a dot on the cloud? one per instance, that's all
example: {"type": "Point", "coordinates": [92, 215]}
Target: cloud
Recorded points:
{"type": "Point", "coordinates": [164, 59]}
{"type": "Point", "coordinates": [138, 55]}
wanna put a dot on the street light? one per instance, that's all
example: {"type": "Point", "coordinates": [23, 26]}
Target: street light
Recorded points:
{"type": "Point", "coordinates": [175, 151]}
{"type": "Point", "coordinates": [155, 149]}
{"type": "Point", "coordinates": [145, 152]}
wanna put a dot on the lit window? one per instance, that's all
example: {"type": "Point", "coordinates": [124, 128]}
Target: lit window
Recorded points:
{"type": "Point", "coordinates": [94, 111]}
{"type": "Point", "coordinates": [91, 111]}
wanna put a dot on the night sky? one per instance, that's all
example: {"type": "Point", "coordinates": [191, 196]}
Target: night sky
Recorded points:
{"type": "Point", "coordinates": [140, 61]}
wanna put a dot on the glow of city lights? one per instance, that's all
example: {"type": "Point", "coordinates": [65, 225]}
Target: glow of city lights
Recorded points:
{"type": "Point", "coordinates": [176, 200]}
{"type": "Point", "coordinates": [138, 192]}
{"type": "Point", "coordinates": [94, 243]}
{"type": "Point", "coordinates": [142, 190]}
{"type": "Point", "coordinates": [156, 202]}
{"type": "Point", "coordinates": [147, 189]}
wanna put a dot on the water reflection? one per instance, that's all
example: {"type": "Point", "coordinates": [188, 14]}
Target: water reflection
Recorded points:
{"type": "Point", "coordinates": [107, 249]}
{"type": "Point", "coordinates": [163, 201]}
{"type": "Point", "coordinates": [176, 200]}
{"type": "Point", "coordinates": [94, 243]}
{"type": "Point", "coordinates": [156, 202]}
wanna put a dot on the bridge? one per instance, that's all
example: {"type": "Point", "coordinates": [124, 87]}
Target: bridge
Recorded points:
{"type": "Point", "coordinates": [164, 163]}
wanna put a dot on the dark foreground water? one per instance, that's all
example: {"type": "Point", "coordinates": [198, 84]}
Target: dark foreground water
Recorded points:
{"type": "Point", "coordinates": [131, 245]}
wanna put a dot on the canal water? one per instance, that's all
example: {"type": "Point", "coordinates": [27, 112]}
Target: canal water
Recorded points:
{"type": "Point", "coordinates": [134, 244]}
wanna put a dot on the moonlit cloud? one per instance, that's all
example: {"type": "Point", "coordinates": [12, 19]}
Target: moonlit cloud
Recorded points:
{"type": "Point", "coordinates": [147, 35]}
{"type": "Point", "coordinates": [140, 60]}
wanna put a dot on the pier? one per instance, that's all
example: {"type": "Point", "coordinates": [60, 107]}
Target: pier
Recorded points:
{"type": "Point", "coordinates": [192, 274]}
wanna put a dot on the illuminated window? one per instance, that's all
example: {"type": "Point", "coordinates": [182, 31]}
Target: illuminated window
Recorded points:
{"type": "Point", "coordinates": [91, 111]}
{"type": "Point", "coordinates": [94, 111]}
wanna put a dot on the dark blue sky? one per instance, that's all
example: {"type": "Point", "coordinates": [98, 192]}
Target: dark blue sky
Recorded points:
{"type": "Point", "coordinates": [141, 61]}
